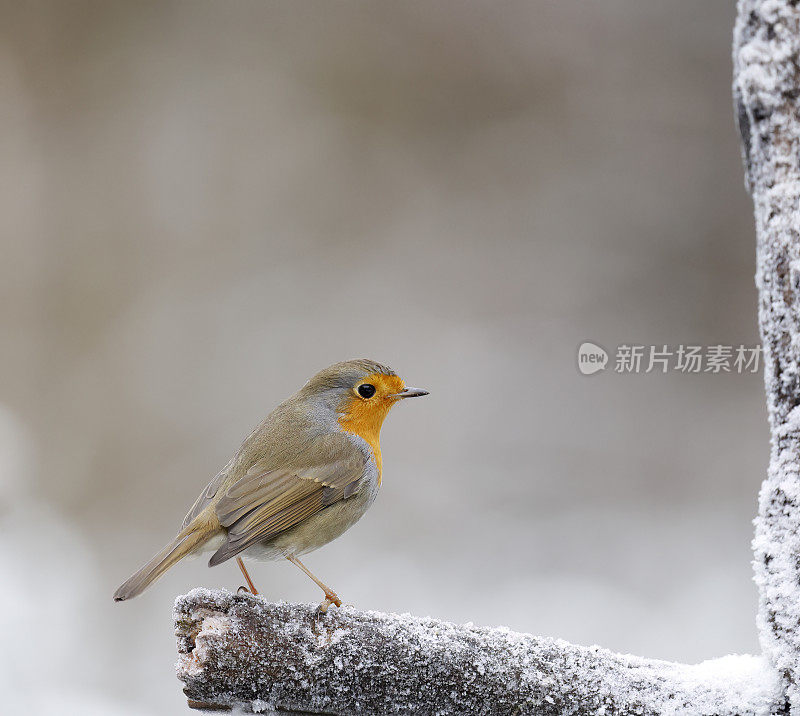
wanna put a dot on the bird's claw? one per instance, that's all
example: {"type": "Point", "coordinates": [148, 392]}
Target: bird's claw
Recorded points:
{"type": "Point", "coordinates": [329, 599]}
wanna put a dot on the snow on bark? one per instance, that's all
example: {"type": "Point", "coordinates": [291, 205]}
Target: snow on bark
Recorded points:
{"type": "Point", "coordinates": [242, 651]}
{"type": "Point", "coordinates": [766, 88]}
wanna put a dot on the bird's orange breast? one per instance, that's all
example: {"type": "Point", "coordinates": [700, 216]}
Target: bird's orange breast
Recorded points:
{"type": "Point", "coordinates": [365, 417]}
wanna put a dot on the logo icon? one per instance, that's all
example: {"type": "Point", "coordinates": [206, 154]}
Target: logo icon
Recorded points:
{"type": "Point", "coordinates": [591, 358]}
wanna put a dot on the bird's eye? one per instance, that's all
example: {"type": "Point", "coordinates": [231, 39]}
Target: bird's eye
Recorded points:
{"type": "Point", "coordinates": [366, 390]}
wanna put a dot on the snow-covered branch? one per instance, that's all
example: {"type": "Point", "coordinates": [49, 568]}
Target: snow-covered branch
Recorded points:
{"type": "Point", "coordinates": [766, 89]}
{"type": "Point", "coordinates": [239, 650]}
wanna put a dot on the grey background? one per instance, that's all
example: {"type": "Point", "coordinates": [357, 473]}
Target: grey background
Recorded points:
{"type": "Point", "coordinates": [202, 204]}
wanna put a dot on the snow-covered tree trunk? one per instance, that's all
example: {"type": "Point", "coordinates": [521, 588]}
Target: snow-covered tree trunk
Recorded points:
{"type": "Point", "coordinates": [766, 91]}
{"type": "Point", "coordinates": [238, 650]}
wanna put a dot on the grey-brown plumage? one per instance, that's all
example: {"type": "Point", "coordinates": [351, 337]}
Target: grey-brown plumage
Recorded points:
{"type": "Point", "coordinates": [307, 473]}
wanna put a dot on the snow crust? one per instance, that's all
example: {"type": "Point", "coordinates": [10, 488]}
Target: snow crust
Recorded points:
{"type": "Point", "coordinates": [766, 89]}
{"type": "Point", "coordinates": [240, 650]}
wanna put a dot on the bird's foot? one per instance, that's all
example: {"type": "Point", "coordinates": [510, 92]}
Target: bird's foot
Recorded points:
{"type": "Point", "coordinates": [330, 598]}
{"type": "Point", "coordinates": [247, 591]}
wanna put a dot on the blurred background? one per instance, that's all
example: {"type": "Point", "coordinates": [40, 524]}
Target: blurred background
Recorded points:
{"type": "Point", "coordinates": [202, 204]}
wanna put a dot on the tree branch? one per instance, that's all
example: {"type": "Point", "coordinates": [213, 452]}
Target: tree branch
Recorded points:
{"type": "Point", "coordinates": [238, 650]}
{"type": "Point", "coordinates": [766, 88]}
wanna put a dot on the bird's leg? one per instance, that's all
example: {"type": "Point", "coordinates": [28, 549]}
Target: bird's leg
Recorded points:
{"type": "Point", "coordinates": [250, 584]}
{"type": "Point", "coordinates": [330, 595]}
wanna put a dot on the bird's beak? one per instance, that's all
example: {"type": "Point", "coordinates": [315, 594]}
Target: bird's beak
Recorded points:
{"type": "Point", "coordinates": [409, 393]}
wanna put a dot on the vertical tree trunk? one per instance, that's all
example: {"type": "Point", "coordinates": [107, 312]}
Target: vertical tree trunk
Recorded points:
{"type": "Point", "coordinates": [766, 89]}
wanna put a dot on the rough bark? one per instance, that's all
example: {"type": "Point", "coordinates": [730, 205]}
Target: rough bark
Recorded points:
{"type": "Point", "coordinates": [237, 650]}
{"type": "Point", "coordinates": [766, 89]}
{"type": "Point", "coordinates": [241, 651]}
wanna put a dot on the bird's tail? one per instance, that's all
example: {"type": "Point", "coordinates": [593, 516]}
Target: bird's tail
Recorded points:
{"type": "Point", "coordinates": [186, 541]}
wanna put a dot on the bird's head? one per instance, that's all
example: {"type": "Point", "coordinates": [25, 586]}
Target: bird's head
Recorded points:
{"type": "Point", "coordinates": [361, 392]}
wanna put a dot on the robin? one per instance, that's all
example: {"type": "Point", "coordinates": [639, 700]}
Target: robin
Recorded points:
{"type": "Point", "coordinates": [306, 474]}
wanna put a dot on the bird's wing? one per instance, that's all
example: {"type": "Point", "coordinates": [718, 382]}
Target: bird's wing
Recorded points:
{"type": "Point", "coordinates": [264, 503]}
{"type": "Point", "coordinates": [204, 499]}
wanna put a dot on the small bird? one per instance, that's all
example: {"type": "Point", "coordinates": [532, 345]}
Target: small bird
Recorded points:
{"type": "Point", "coordinates": [306, 474]}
